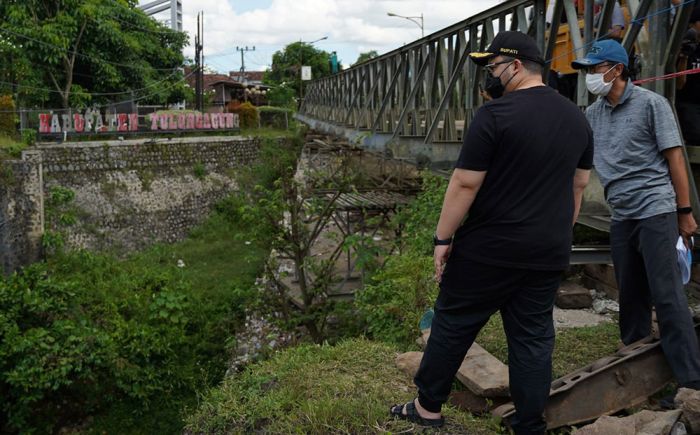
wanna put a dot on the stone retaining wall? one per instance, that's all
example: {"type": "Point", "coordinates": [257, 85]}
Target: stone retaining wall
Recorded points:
{"type": "Point", "coordinates": [127, 194]}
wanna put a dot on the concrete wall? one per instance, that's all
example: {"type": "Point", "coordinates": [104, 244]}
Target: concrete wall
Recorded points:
{"type": "Point", "coordinates": [21, 211]}
{"type": "Point", "coordinates": [128, 194]}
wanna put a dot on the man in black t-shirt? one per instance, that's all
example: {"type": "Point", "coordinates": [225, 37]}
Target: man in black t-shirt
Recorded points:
{"type": "Point", "coordinates": [520, 176]}
{"type": "Point", "coordinates": [688, 86]}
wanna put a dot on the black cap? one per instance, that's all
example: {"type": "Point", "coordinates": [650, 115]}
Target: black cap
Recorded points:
{"type": "Point", "coordinates": [511, 44]}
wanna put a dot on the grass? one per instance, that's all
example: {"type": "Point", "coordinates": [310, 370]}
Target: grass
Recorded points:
{"type": "Point", "coordinates": [217, 262]}
{"type": "Point", "coordinates": [573, 348]}
{"type": "Point", "coordinates": [10, 147]}
{"type": "Point", "coordinates": [346, 388]}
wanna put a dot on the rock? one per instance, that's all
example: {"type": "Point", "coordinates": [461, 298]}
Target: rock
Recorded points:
{"type": "Point", "coordinates": [470, 402]}
{"type": "Point", "coordinates": [688, 401]}
{"type": "Point", "coordinates": [409, 362]}
{"type": "Point", "coordinates": [606, 426]}
{"type": "Point", "coordinates": [483, 373]}
{"type": "Point", "coordinates": [601, 277]}
{"type": "Point", "coordinates": [573, 296]}
{"type": "Point", "coordinates": [603, 306]}
{"type": "Point", "coordinates": [577, 318]}
{"type": "Point", "coordinates": [642, 423]}
{"type": "Point", "coordinates": [661, 424]}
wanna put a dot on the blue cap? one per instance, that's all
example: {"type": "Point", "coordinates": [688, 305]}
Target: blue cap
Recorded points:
{"type": "Point", "coordinates": [607, 50]}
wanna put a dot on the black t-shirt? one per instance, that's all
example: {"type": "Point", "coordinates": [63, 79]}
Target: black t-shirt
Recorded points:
{"type": "Point", "coordinates": [691, 91]}
{"type": "Point", "coordinates": [530, 142]}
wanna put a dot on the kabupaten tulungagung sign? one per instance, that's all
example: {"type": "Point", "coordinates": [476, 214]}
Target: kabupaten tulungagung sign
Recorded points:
{"type": "Point", "coordinates": [92, 121]}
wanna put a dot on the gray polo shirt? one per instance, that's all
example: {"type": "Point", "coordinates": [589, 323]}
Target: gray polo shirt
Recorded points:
{"type": "Point", "coordinates": [628, 140]}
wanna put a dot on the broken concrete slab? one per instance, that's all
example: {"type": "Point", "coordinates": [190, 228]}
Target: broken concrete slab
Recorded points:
{"type": "Point", "coordinates": [601, 277]}
{"type": "Point", "coordinates": [465, 400]}
{"type": "Point", "coordinates": [483, 373]}
{"type": "Point", "coordinates": [688, 401]}
{"type": "Point", "coordinates": [409, 362]}
{"type": "Point", "coordinates": [642, 423]}
{"type": "Point", "coordinates": [577, 318]}
{"type": "Point", "coordinates": [573, 296]}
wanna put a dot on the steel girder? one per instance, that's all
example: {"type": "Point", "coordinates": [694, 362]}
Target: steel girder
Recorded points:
{"type": "Point", "coordinates": [429, 90]}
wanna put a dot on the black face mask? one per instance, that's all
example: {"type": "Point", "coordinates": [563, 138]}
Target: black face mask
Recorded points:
{"type": "Point", "coordinates": [493, 85]}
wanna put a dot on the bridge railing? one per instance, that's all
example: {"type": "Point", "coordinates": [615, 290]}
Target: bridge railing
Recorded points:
{"type": "Point", "coordinates": [429, 90]}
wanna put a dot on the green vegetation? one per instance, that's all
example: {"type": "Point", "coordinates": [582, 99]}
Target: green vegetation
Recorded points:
{"type": "Point", "coordinates": [248, 115]}
{"type": "Point", "coordinates": [92, 343]}
{"type": "Point", "coordinates": [200, 171]}
{"type": "Point", "coordinates": [10, 148]}
{"type": "Point", "coordinates": [7, 115]}
{"type": "Point", "coordinates": [128, 343]}
{"type": "Point", "coordinates": [315, 389]}
{"type": "Point", "coordinates": [284, 74]}
{"type": "Point", "coordinates": [120, 46]}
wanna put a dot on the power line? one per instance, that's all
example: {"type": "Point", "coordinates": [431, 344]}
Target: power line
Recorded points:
{"type": "Point", "coordinates": [143, 97]}
{"type": "Point", "coordinates": [77, 53]}
{"type": "Point", "coordinates": [92, 93]}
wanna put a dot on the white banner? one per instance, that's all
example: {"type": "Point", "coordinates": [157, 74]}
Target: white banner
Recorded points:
{"type": "Point", "coordinates": [306, 73]}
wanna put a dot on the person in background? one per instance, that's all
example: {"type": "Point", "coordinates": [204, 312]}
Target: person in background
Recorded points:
{"type": "Point", "coordinates": [639, 159]}
{"type": "Point", "coordinates": [688, 86]}
{"type": "Point", "coordinates": [617, 21]}
{"type": "Point", "coordinates": [520, 175]}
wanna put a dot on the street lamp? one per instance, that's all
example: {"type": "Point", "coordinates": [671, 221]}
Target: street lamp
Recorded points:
{"type": "Point", "coordinates": [413, 19]}
{"type": "Point", "coordinates": [301, 65]}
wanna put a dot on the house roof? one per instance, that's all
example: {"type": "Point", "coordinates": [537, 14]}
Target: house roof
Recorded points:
{"type": "Point", "coordinates": [251, 76]}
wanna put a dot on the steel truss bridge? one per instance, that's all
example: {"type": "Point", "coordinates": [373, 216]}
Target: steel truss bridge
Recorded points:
{"type": "Point", "coordinates": [415, 102]}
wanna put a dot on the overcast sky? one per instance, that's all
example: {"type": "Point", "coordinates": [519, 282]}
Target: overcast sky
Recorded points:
{"type": "Point", "coordinates": [352, 26]}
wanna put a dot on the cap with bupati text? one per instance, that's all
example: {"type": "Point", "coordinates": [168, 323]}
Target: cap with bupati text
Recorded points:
{"type": "Point", "coordinates": [512, 44]}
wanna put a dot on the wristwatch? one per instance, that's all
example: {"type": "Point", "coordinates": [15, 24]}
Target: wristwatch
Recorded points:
{"type": "Point", "coordinates": [441, 242]}
{"type": "Point", "coordinates": [684, 210]}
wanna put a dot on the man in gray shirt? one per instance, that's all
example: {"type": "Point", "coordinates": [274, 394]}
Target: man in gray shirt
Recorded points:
{"type": "Point", "coordinates": [640, 162]}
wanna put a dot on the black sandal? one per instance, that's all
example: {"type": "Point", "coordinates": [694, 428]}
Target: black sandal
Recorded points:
{"type": "Point", "coordinates": [413, 416]}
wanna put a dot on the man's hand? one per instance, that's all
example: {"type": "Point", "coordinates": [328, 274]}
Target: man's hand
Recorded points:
{"type": "Point", "coordinates": [687, 227]}
{"type": "Point", "coordinates": [440, 258]}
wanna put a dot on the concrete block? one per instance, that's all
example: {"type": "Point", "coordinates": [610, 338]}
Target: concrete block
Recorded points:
{"type": "Point", "coordinates": [573, 296]}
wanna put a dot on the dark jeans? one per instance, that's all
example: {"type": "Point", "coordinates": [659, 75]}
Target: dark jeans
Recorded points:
{"type": "Point", "coordinates": [689, 118]}
{"type": "Point", "coordinates": [470, 293]}
{"type": "Point", "coordinates": [647, 273]}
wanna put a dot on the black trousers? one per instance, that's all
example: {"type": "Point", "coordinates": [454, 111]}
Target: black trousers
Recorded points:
{"type": "Point", "coordinates": [647, 273]}
{"type": "Point", "coordinates": [469, 294]}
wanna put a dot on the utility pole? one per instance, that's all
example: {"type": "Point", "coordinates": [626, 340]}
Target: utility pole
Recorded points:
{"type": "Point", "coordinates": [199, 63]}
{"type": "Point", "coordinates": [243, 50]}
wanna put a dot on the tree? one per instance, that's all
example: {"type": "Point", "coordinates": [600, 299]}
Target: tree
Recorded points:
{"type": "Point", "coordinates": [363, 57]}
{"type": "Point", "coordinates": [286, 65]}
{"type": "Point", "coordinates": [88, 52]}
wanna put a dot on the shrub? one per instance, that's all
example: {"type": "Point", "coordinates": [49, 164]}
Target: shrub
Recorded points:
{"type": "Point", "coordinates": [247, 115]}
{"type": "Point", "coordinates": [72, 346]}
{"type": "Point", "coordinates": [29, 136]}
{"type": "Point", "coordinates": [7, 116]}
{"type": "Point", "coordinates": [392, 304]}
{"type": "Point", "coordinates": [200, 171]}
{"type": "Point", "coordinates": [275, 117]}
{"type": "Point", "coordinates": [417, 221]}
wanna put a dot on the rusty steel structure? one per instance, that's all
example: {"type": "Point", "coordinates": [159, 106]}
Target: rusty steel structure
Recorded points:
{"type": "Point", "coordinates": [427, 89]}
{"type": "Point", "coordinates": [608, 385]}
{"type": "Point", "coordinates": [416, 102]}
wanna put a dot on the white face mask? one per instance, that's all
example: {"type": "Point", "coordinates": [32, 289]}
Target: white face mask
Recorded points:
{"type": "Point", "coordinates": [597, 85]}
